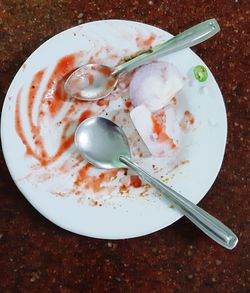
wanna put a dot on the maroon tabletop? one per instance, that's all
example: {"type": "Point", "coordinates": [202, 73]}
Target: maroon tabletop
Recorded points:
{"type": "Point", "coordinates": [37, 256]}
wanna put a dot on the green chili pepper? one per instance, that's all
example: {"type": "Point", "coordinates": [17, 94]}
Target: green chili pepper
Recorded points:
{"type": "Point", "coordinates": [200, 73]}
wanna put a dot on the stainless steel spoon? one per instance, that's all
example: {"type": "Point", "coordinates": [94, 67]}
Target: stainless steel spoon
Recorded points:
{"type": "Point", "coordinates": [105, 145]}
{"type": "Point", "coordinates": [94, 81]}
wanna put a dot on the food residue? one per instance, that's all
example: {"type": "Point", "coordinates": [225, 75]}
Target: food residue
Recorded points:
{"type": "Point", "coordinates": [135, 181]}
{"type": "Point", "coordinates": [187, 121]}
{"type": "Point", "coordinates": [142, 43]}
{"type": "Point", "coordinates": [60, 114]}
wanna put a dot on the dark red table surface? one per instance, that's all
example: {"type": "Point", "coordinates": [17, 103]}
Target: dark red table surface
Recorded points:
{"type": "Point", "coordinates": [37, 256]}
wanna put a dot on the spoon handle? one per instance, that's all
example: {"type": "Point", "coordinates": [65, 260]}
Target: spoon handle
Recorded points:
{"type": "Point", "coordinates": [206, 222]}
{"type": "Point", "coordinates": [186, 39]}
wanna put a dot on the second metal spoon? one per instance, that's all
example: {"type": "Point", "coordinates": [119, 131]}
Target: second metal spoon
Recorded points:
{"type": "Point", "coordinates": [94, 81]}
{"type": "Point", "coordinates": [105, 145]}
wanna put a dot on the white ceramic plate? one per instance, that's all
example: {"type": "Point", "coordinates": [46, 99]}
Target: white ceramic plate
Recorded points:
{"type": "Point", "coordinates": [52, 176]}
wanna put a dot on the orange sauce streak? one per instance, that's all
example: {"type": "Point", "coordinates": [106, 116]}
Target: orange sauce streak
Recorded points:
{"type": "Point", "coordinates": [19, 128]}
{"type": "Point", "coordinates": [103, 70]}
{"type": "Point", "coordinates": [102, 102]}
{"type": "Point", "coordinates": [135, 181]}
{"type": "Point", "coordinates": [145, 43]}
{"type": "Point", "coordinates": [82, 174]}
{"type": "Point", "coordinates": [55, 101]}
{"type": "Point", "coordinates": [90, 78]}
{"type": "Point", "coordinates": [86, 114]}
{"type": "Point", "coordinates": [187, 121]}
{"type": "Point", "coordinates": [148, 42]}
{"type": "Point", "coordinates": [161, 134]}
{"type": "Point", "coordinates": [35, 84]}
{"type": "Point", "coordinates": [109, 84]}
{"type": "Point", "coordinates": [189, 117]}
{"type": "Point", "coordinates": [157, 129]}
{"type": "Point", "coordinates": [123, 188]}
{"type": "Point", "coordinates": [32, 93]}
{"type": "Point", "coordinates": [94, 183]}
{"type": "Point", "coordinates": [62, 69]}
{"type": "Point", "coordinates": [128, 103]}
{"type": "Point", "coordinates": [66, 143]}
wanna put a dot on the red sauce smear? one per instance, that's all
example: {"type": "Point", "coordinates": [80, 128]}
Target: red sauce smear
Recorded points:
{"type": "Point", "coordinates": [55, 102]}
{"type": "Point", "coordinates": [142, 42]}
{"type": "Point", "coordinates": [190, 117]}
{"type": "Point", "coordinates": [187, 121]}
{"type": "Point", "coordinates": [94, 183]}
{"type": "Point", "coordinates": [109, 84]}
{"type": "Point", "coordinates": [32, 94]}
{"type": "Point", "coordinates": [90, 78]}
{"type": "Point", "coordinates": [123, 188]}
{"type": "Point", "coordinates": [82, 175]}
{"type": "Point", "coordinates": [19, 128]}
{"type": "Point", "coordinates": [35, 84]}
{"type": "Point", "coordinates": [63, 68]}
{"type": "Point", "coordinates": [54, 99]}
{"type": "Point", "coordinates": [86, 114]}
{"type": "Point", "coordinates": [161, 134]}
{"type": "Point", "coordinates": [135, 181]}
{"type": "Point", "coordinates": [128, 103]}
{"type": "Point", "coordinates": [103, 70]}
{"type": "Point", "coordinates": [102, 102]}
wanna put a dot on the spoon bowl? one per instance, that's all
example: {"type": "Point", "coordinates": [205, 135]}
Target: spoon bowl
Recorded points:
{"type": "Point", "coordinates": [90, 82]}
{"type": "Point", "coordinates": [111, 143]}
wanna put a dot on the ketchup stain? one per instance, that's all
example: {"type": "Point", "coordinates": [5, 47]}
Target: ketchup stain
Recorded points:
{"type": "Point", "coordinates": [82, 174]}
{"type": "Point", "coordinates": [57, 79]}
{"type": "Point", "coordinates": [86, 114]}
{"type": "Point", "coordinates": [123, 188]}
{"type": "Point", "coordinates": [90, 78]}
{"type": "Point", "coordinates": [32, 94]}
{"type": "Point", "coordinates": [103, 102]}
{"type": "Point", "coordinates": [128, 103]}
{"type": "Point", "coordinates": [162, 136]}
{"type": "Point", "coordinates": [50, 102]}
{"type": "Point", "coordinates": [135, 181]}
{"type": "Point", "coordinates": [187, 121]}
{"type": "Point", "coordinates": [19, 128]}
{"type": "Point", "coordinates": [109, 84]}
{"type": "Point", "coordinates": [103, 70]}
{"type": "Point", "coordinates": [55, 102]}
{"type": "Point", "coordinates": [142, 43]}
{"type": "Point", "coordinates": [189, 116]}
{"type": "Point", "coordinates": [94, 183]}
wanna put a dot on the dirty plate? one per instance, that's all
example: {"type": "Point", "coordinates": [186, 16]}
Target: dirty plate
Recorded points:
{"type": "Point", "coordinates": [39, 120]}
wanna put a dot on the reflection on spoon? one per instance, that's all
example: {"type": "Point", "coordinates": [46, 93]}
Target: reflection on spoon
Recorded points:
{"type": "Point", "coordinates": [90, 82]}
{"type": "Point", "coordinates": [93, 81]}
{"type": "Point", "coordinates": [105, 145]}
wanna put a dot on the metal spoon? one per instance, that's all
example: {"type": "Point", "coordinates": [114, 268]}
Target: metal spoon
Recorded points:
{"type": "Point", "coordinates": [94, 81]}
{"type": "Point", "coordinates": [105, 145]}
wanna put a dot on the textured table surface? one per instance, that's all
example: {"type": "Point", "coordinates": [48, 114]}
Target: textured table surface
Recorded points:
{"type": "Point", "coordinates": [37, 256]}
